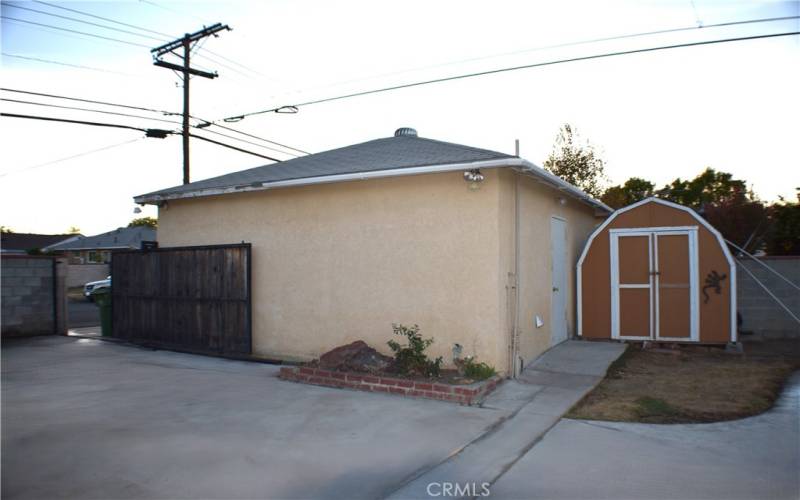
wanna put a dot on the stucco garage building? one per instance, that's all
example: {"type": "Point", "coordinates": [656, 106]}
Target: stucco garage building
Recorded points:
{"type": "Point", "coordinates": [477, 247]}
{"type": "Point", "coordinates": [658, 271]}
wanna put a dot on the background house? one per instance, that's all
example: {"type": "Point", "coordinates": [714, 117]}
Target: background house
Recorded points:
{"type": "Point", "coordinates": [477, 247]}
{"type": "Point", "coordinates": [24, 243]}
{"type": "Point", "coordinates": [89, 256]}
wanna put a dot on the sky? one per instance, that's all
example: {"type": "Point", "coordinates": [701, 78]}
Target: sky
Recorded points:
{"type": "Point", "coordinates": [657, 115]}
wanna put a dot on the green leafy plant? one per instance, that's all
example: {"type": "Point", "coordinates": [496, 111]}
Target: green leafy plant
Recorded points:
{"type": "Point", "coordinates": [411, 359]}
{"type": "Point", "coordinates": [478, 371]}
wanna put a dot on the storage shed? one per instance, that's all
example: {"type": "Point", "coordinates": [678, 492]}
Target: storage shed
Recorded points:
{"type": "Point", "coordinates": [656, 270]}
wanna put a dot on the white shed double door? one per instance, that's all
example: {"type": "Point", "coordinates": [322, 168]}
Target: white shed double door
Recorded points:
{"type": "Point", "coordinates": [654, 284]}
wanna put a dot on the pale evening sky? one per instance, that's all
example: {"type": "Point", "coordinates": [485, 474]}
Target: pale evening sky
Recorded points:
{"type": "Point", "coordinates": [657, 115]}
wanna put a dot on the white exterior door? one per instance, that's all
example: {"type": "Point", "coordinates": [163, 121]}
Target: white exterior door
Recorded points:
{"type": "Point", "coordinates": [558, 303]}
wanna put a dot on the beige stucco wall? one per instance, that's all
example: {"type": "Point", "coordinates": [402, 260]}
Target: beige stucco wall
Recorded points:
{"type": "Point", "coordinates": [537, 204]}
{"type": "Point", "coordinates": [340, 262]}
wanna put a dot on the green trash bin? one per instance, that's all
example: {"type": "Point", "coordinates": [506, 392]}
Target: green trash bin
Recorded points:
{"type": "Point", "coordinates": [102, 297]}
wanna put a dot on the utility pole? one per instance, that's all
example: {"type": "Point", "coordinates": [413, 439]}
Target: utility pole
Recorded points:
{"type": "Point", "coordinates": [187, 42]}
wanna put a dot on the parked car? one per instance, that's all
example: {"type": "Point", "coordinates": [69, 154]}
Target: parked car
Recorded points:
{"type": "Point", "coordinates": [88, 288]}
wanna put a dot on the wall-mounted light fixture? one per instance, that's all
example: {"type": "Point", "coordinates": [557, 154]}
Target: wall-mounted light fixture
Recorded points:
{"type": "Point", "coordinates": [562, 201]}
{"type": "Point", "coordinates": [474, 177]}
{"type": "Point", "coordinates": [137, 210]}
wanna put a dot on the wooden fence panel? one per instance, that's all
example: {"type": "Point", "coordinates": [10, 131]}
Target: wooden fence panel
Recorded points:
{"type": "Point", "coordinates": [192, 298]}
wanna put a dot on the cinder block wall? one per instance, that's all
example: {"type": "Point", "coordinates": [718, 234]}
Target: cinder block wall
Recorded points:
{"type": "Point", "coordinates": [80, 274]}
{"type": "Point", "coordinates": [28, 301]}
{"type": "Point", "coordinates": [760, 313]}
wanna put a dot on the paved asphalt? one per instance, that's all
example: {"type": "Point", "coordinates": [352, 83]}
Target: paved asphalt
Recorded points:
{"type": "Point", "coordinates": [82, 314]}
{"type": "Point", "coordinates": [751, 458]}
{"type": "Point", "coordinates": [90, 419]}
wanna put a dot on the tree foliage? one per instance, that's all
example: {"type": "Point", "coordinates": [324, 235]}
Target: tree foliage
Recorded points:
{"type": "Point", "coordinates": [635, 189]}
{"type": "Point", "coordinates": [144, 222]}
{"type": "Point", "coordinates": [728, 205]}
{"type": "Point", "coordinates": [576, 163]}
{"type": "Point", "coordinates": [74, 230]}
{"type": "Point", "coordinates": [783, 236]}
{"type": "Point", "coordinates": [6, 230]}
{"type": "Point", "coordinates": [708, 188]}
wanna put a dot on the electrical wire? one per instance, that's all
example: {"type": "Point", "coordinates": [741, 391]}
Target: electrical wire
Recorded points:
{"type": "Point", "coordinates": [75, 31]}
{"type": "Point", "coordinates": [74, 108]}
{"type": "Point", "coordinates": [150, 132]}
{"type": "Point", "coordinates": [559, 46]}
{"type": "Point", "coordinates": [103, 18]}
{"type": "Point", "coordinates": [161, 111]}
{"type": "Point", "coordinates": [142, 117]}
{"type": "Point", "coordinates": [90, 101]}
{"type": "Point", "coordinates": [244, 140]}
{"type": "Point", "coordinates": [85, 22]}
{"type": "Point", "coordinates": [79, 122]}
{"type": "Point", "coordinates": [233, 147]}
{"type": "Point", "coordinates": [259, 138]}
{"type": "Point", "coordinates": [70, 157]}
{"type": "Point", "coordinates": [515, 68]}
{"type": "Point", "coordinates": [79, 66]}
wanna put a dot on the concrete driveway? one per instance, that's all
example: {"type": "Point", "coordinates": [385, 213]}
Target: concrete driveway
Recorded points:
{"type": "Point", "coordinates": [84, 418]}
{"type": "Point", "coordinates": [752, 458]}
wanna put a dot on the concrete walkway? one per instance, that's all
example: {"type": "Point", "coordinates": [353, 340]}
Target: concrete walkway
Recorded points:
{"type": "Point", "coordinates": [752, 458]}
{"type": "Point", "coordinates": [535, 402]}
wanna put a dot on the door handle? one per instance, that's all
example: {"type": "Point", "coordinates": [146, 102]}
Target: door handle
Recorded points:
{"type": "Point", "coordinates": [555, 288]}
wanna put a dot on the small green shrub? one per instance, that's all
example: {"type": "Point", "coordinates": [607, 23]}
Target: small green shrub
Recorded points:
{"type": "Point", "coordinates": [478, 371]}
{"type": "Point", "coordinates": [411, 359]}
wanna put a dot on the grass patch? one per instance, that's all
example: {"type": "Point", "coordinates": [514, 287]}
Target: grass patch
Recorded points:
{"type": "Point", "coordinates": [691, 384]}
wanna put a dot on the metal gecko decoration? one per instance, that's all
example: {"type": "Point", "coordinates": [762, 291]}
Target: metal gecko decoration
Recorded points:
{"type": "Point", "coordinates": [713, 280]}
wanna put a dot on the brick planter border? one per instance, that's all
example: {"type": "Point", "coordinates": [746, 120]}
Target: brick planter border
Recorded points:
{"type": "Point", "coordinates": [471, 394]}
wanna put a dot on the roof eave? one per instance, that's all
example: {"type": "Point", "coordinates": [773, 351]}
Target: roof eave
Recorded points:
{"type": "Point", "coordinates": [564, 186]}
{"type": "Point", "coordinates": [156, 199]}
{"type": "Point", "coordinates": [517, 163]}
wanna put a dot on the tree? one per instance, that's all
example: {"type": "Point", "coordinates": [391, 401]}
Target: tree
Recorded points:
{"type": "Point", "coordinates": [575, 163]}
{"type": "Point", "coordinates": [635, 189]}
{"type": "Point", "coordinates": [6, 230]}
{"type": "Point", "coordinates": [710, 187]}
{"type": "Point", "coordinates": [144, 222]}
{"type": "Point", "coordinates": [783, 236]}
{"type": "Point", "coordinates": [74, 230]}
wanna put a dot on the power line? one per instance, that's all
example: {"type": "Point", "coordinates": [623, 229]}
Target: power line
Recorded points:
{"type": "Point", "coordinates": [152, 110]}
{"type": "Point", "coordinates": [90, 101]}
{"type": "Point", "coordinates": [75, 31]}
{"type": "Point", "coordinates": [243, 140]}
{"type": "Point", "coordinates": [103, 18]}
{"type": "Point", "coordinates": [259, 138]}
{"type": "Point", "coordinates": [157, 133]}
{"type": "Point", "coordinates": [562, 45]}
{"type": "Point", "coordinates": [70, 157]}
{"type": "Point", "coordinates": [515, 68]}
{"type": "Point", "coordinates": [171, 10]}
{"type": "Point", "coordinates": [74, 108]}
{"type": "Point", "coordinates": [232, 147]}
{"type": "Point", "coordinates": [168, 36]}
{"type": "Point", "coordinates": [79, 122]}
{"type": "Point", "coordinates": [85, 22]}
{"type": "Point", "coordinates": [79, 66]}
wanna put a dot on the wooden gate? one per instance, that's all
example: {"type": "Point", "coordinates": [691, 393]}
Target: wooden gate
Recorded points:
{"type": "Point", "coordinates": [188, 298]}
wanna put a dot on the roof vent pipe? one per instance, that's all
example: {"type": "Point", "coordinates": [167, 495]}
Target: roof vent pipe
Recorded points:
{"type": "Point", "coordinates": [405, 131]}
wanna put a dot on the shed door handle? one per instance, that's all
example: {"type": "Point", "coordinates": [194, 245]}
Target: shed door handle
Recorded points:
{"type": "Point", "coordinates": [555, 288]}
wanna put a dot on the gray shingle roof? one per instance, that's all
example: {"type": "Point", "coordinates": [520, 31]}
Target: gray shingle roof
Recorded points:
{"type": "Point", "coordinates": [391, 153]}
{"type": "Point", "coordinates": [124, 237]}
